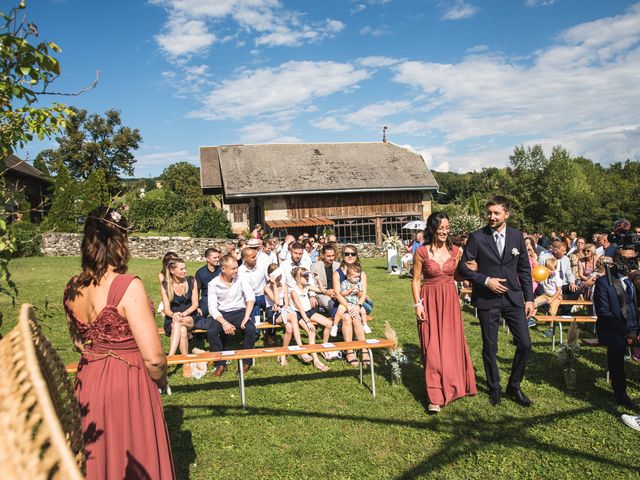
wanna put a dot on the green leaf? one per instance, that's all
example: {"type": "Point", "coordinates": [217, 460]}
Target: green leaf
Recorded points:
{"type": "Point", "coordinates": [25, 70]}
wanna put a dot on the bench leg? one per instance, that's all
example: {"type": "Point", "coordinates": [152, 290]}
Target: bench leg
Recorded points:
{"type": "Point", "coordinates": [553, 340]}
{"type": "Point", "coordinates": [242, 396]}
{"type": "Point", "coordinates": [360, 364]}
{"type": "Point", "coordinates": [560, 326]}
{"type": "Point", "coordinates": [373, 377]}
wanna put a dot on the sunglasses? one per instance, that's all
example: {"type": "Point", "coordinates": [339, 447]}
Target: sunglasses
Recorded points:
{"type": "Point", "coordinates": [350, 254]}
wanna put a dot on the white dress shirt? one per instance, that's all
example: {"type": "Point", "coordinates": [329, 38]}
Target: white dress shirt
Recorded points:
{"type": "Point", "coordinates": [227, 298]}
{"type": "Point", "coordinates": [563, 269]}
{"type": "Point", "coordinates": [257, 276]}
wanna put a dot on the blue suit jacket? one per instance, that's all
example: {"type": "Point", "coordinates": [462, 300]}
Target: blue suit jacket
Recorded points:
{"type": "Point", "coordinates": [482, 248]}
{"type": "Point", "coordinates": [607, 308]}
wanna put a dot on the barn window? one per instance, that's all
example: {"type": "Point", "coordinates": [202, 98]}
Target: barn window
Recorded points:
{"type": "Point", "coordinates": [355, 230]}
{"type": "Point", "coordinates": [393, 225]}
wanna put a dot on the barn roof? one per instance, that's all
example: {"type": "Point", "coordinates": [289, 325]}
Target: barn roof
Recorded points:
{"type": "Point", "coordinates": [19, 166]}
{"type": "Point", "coordinates": [307, 168]}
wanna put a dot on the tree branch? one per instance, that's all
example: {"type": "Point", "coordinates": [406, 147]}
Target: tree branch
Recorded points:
{"type": "Point", "coordinates": [79, 92]}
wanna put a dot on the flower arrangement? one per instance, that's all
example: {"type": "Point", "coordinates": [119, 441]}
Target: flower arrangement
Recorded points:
{"type": "Point", "coordinates": [567, 356]}
{"type": "Point", "coordinates": [391, 241]}
{"type": "Point", "coordinates": [395, 355]}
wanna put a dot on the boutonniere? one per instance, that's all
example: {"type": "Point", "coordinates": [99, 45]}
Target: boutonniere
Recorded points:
{"type": "Point", "coordinates": [515, 252]}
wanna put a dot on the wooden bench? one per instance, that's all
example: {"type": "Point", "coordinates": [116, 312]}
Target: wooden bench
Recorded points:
{"type": "Point", "coordinates": [560, 319]}
{"type": "Point", "coordinates": [241, 355]}
{"type": "Point", "coordinates": [586, 303]}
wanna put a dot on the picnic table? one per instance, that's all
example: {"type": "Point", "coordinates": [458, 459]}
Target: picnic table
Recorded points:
{"type": "Point", "coordinates": [560, 319]}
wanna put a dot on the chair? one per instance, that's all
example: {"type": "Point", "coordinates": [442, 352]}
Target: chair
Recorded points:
{"type": "Point", "coordinates": [39, 418]}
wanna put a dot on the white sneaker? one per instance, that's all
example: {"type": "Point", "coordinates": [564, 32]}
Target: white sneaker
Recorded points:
{"type": "Point", "coordinates": [334, 331]}
{"type": "Point", "coordinates": [631, 421]}
{"type": "Point", "coordinates": [366, 328]}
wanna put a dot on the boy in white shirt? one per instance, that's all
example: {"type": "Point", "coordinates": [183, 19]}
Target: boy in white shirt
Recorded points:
{"type": "Point", "coordinates": [231, 301]}
{"type": "Point", "coordinates": [552, 288]}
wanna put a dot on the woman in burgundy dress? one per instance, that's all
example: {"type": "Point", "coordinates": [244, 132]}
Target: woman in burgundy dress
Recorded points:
{"type": "Point", "coordinates": [448, 370]}
{"type": "Point", "coordinates": [122, 364]}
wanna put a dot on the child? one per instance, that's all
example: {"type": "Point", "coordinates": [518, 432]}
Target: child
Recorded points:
{"type": "Point", "coordinates": [351, 290]}
{"type": "Point", "coordinates": [276, 295]}
{"type": "Point", "coordinates": [302, 305]}
{"type": "Point", "coordinates": [552, 288]}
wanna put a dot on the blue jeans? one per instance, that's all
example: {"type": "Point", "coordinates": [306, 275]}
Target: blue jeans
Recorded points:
{"type": "Point", "coordinates": [368, 306]}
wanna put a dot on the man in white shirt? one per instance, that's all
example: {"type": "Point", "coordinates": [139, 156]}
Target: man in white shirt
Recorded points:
{"type": "Point", "coordinates": [231, 300]}
{"type": "Point", "coordinates": [285, 251]}
{"type": "Point", "coordinates": [255, 272]}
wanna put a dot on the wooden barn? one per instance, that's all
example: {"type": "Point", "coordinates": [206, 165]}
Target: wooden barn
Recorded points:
{"type": "Point", "coordinates": [23, 177]}
{"type": "Point", "coordinates": [357, 190]}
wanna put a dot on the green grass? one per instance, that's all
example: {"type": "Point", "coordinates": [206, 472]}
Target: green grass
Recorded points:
{"type": "Point", "coordinates": [302, 423]}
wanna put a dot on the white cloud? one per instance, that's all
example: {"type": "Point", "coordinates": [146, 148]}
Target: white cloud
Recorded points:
{"type": "Point", "coordinates": [152, 163]}
{"type": "Point", "coordinates": [457, 10]}
{"type": "Point", "coordinates": [330, 123]}
{"type": "Point", "coordinates": [478, 49]}
{"type": "Point", "coordinates": [539, 3]}
{"type": "Point", "coordinates": [187, 30]}
{"type": "Point", "coordinates": [358, 8]}
{"type": "Point", "coordinates": [375, 32]}
{"type": "Point", "coordinates": [372, 114]}
{"type": "Point", "coordinates": [286, 90]}
{"type": "Point", "coordinates": [582, 92]}
{"type": "Point", "coordinates": [267, 133]}
{"type": "Point", "coordinates": [188, 79]}
{"type": "Point", "coordinates": [183, 36]}
{"type": "Point", "coordinates": [378, 61]}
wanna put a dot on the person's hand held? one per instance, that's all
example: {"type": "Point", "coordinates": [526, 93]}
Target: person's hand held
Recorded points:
{"type": "Point", "coordinates": [529, 309]}
{"type": "Point", "coordinates": [471, 265]}
{"type": "Point", "coordinates": [228, 328]}
{"type": "Point", "coordinates": [496, 285]}
{"type": "Point", "coordinates": [420, 313]}
{"type": "Point", "coordinates": [573, 287]}
{"type": "Point", "coordinates": [244, 323]}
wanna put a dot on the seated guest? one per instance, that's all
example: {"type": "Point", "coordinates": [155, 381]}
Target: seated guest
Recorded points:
{"type": "Point", "coordinates": [587, 270]}
{"type": "Point", "coordinates": [576, 253]}
{"type": "Point", "coordinates": [617, 324]}
{"type": "Point", "coordinates": [285, 253]}
{"type": "Point", "coordinates": [323, 272]}
{"type": "Point", "coordinates": [608, 248]}
{"type": "Point", "coordinates": [301, 303]}
{"type": "Point", "coordinates": [256, 273]}
{"type": "Point", "coordinates": [231, 248]}
{"type": "Point", "coordinates": [312, 252]}
{"type": "Point", "coordinates": [551, 288]}
{"type": "Point", "coordinates": [331, 238]}
{"type": "Point", "coordinates": [231, 302]}
{"type": "Point", "coordinates": [570, 290]}
{"type": "Point", "coordinates": [180, 301]}
{"type": "Point", "coordinates": [165, 261]}
{"type": "Point", "coordinates": [351, 290]}
{"type": "Point", "coordinates": [257, 231]}
{"type": "Point", "coordinates": [279, 311]}
{"type": "Point", "coordinates": [269, 249]}
{"type": "Point", "coordinates": [204, 275]}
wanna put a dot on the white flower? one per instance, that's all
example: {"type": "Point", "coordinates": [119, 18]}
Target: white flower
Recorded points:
{"type": "Point", "coordinates": [115, 216]}
{"type": "Point", "coordinates": [515, 252]}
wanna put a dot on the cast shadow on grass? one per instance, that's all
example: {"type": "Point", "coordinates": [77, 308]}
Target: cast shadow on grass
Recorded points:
{"type": "Point", "coordinates": [182, 448]}
{"type": "Point", "coordinates": [465, 432]}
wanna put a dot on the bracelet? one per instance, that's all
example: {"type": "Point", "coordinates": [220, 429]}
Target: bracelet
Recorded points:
{"type": "Point", "coordinates": [417, 305]}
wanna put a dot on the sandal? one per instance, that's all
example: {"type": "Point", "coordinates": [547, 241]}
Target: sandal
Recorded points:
{"type": "Point", "coordinates": [282, 360]}
{"type": "Point", "coordinates": [306, 358]}
{"type": "Point", "coordinates": [354, 362]}
{"type": "Point", "coordinates": [366, 361]}
{"type": "Point", "coordinates": [321, 366]}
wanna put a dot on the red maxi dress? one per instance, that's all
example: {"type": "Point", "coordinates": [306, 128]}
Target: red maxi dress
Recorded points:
{"type": "Point", "coordinates": [125, 432]}
{"type": "Point", "coordinates": [448, 371]}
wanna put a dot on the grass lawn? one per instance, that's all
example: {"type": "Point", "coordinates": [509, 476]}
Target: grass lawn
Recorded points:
{"type": "Point", "coordinates": [302, 423]}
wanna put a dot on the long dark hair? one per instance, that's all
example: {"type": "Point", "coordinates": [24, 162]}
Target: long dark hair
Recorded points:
{"type": "Point", "coordinates": [105, 243]}
{"type": "Point", "coordinates": [430, 232]}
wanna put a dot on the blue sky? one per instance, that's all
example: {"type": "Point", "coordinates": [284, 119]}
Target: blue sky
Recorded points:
{"type": "Point", "coordinates": [460, 81]}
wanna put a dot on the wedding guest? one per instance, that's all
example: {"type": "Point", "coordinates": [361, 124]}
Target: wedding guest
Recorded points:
{"type": "Point", "coordinates": [551, 288]}
{"type": "Point", "coordinates": [256, 274]}
{"type": "Point", "coordinates": [180, 300]}
{"type": "Point", "coordinates": [448, 371]}
{"type": "Point", "coordinates": [587, 271]}
{"type": "Point", "coordinates": [113, 327]}
{"type": "Point", "coordinates": [231, 301]}
{"type": "Point", "coordinates": [351, 324]}
{"type": "Point", "coordinates": [311, 251]}
{"type": "Point", "coordinates": [279, 311]}
{"type": "Point", "coordinates": [570, 290]}
{"type": "Point", "coordinates": [269, 249]}
{"type": "Point", "coordinates": [285, 253]}
{"type": "Point", "coordinates": [323, 271]}
{"type": "Point", "coordinates": [306, 314]}
{"type": "Point", "coordinates": [165, 261]}
{"type": "Point", "coordinates": [351, 290]}
{"type": "Point", "coordinates": [204, 275]}
{"type": "Point", "coordinates": [617, 324]}
{"type": "Point", "coordinates": [575, 254]}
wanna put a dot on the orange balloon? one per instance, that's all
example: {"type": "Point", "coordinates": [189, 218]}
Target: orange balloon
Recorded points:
{"type": "Point", "coordinates": [540, 273]}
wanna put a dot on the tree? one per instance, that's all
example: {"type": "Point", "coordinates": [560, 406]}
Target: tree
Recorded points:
{"type": "Point", "coordinates": [41, 165]}
{"type": "Point", "coordinates": [62, 215]}
{"type": "Point", "coordinates": [94, 191]}
{"type": "Point", "coordinates": [183, 178]}
{"type": "Point", "coordinates": [26, 70]}
{"type": "Point", "coordinates": [95, 142]}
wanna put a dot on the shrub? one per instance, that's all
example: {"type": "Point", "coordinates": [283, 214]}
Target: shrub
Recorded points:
{"type": "Point", "coordinates": [160, 210]}
{"type": "Point", "coordinates": [210, 222]}
{"type": "Point", "coordinates": [464, 223]}
{"type": "Point", "coordinates": [28, 239]}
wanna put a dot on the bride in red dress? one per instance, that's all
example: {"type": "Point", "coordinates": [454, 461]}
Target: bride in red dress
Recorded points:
{"type": "Point", "coordinates": [448, 371]}
{"type": "Point", "coordinates": [122, 363]}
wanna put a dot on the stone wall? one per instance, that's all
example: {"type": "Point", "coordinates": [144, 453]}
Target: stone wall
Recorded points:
{"type": "Point", "coordinates": [68, 244]}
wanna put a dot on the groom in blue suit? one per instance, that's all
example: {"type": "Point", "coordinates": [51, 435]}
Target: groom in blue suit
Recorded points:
{"type": "Point", "coordinates": [502, 288]}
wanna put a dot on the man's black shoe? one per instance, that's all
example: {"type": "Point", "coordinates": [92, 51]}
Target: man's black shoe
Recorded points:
{"type": "Point", "coordinates": [495, 398]}
{"type": "Point", "coordinates": [517, 396]}
{"type": "Point", "coordinates": [626, 402]}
